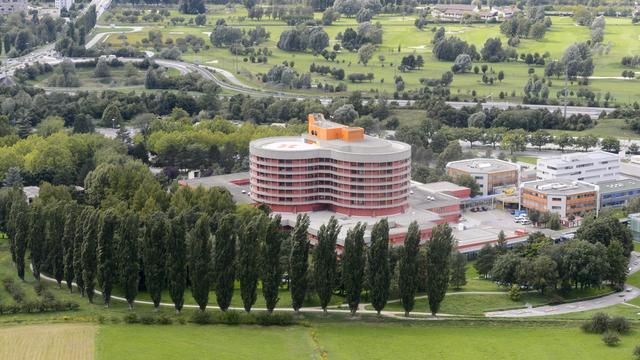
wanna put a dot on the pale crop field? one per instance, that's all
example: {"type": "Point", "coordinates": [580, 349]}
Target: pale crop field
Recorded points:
{"type": "Point", "coordinates": [50, 341]}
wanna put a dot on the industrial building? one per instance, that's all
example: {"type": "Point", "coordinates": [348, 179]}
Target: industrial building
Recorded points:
{"type": "Point", "coordinates": [593, 167]}
{"type": "Point", "coordinates": [618, 193]}
{"type": "Point", "coordinates": [492, 175]}
{"type": "Point", "coordinates": [565, 197]}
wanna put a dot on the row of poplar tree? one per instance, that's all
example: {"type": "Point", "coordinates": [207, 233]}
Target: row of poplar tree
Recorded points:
{"type": "Point", "coordinates": [81, 245]}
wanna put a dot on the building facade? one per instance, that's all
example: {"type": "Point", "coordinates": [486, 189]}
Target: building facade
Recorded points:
{"type": "Point", "coordinates": [490, 174]}
{"type": "Point", "coordinates": [565, 197]}
{"type": "Point", "coordinates": [63, 4]}
{"type": "Point", "coordinates": [332, 167]}
{"type": "Point", "coordinates": [593, 167]}
{"type": "Point", "coordinates": [12, 6]}
{"type": "Point", "coordinates": [618, 193]}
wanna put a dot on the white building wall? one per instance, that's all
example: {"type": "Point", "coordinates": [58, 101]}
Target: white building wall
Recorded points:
{"type": "Point", "coordinates": [580, 166]}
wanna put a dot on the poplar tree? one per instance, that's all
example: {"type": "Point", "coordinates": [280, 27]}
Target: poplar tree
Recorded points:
{"type": "Point", "coordinates": [77, 249]}
{"type": "Point", "coordinates": [106, 262]}
{"type": "Point", "coordinates": [127, 258]}
{"type": "Point", "coordinates": [379, 277]}
{"type": "Point", "coordinates": [353, 265]}
{"type": "Point", "coordinates": [439, 249]}
{"type": "Point", "coordinates": [501, 243]}
{"type": "Point", "coordinates": [271, 270]}
{"type": "Point", "coordinates": [408, 280]}
{"type": "Point", "coordinates": [248, 257]}
{"type": "Point", "coordinates": [224, 259]}
{"type": "Point", "coordinates": [324, 261]}
{"type": "Point", "coordinates": [199, 239]}
{"type": "Point", "coordinates": [71, 218]}
{"type": "Point", "coordinates": [156, 232]}
{"type": "Point", "coordinates": [88, 254]}
{"type": "Point", "coordinates": [299, 261]}
{"type": "Point", "coordinates": [177, 263]}
{"type": "Point", "coordinates": [37, 227]}
{"type": "Point", "coordinates": [458, 270]}
{"type": "Point", "coordinates": [20, 214]}
{"type": "Point", "coordinates": [53, 243]}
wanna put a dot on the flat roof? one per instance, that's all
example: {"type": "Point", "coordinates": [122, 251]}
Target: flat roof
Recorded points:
{"type": "Point", "coordinates": [566, 159]}
{"type": "Point", "coordinates": [225, 181]}
{"type": "Point", "coordinates": [483, 165]}
{"type": "Point", "coordinates": [369, 146]}
{"type": "Point", "coordinates": [614, 186]}
{"type": "Point", "coordinates": [441, 186]}
{"type": "Point", "coordinates": [559, 186]}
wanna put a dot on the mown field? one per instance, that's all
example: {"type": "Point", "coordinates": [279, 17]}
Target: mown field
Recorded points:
{"type": "Point", "coordinates": [399, 32]}
{"type": "Point", "coordinates": [323, 339]}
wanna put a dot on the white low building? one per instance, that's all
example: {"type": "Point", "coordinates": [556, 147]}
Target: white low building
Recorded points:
{"type": "Point", "coordinates": [593, 167]}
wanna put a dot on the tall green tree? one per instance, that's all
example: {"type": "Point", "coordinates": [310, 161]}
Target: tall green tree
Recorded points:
{"type": "Point", "coordinates": [618, 264]}
{"type": "Point", "coordinates": [379, 275]}
{"type": "Point", "coordinates": [248, 260]}
{"type": "Point", "coordinates": [199, 239]}
{"type": "Point", "coordinates": [105, 251]}
{"type": "Point", "coordinates": [270, 254]}
{"type": "Point", "coordinates": [156, 233]}
{"type": "Point", "coordinates": [89, 247]}
{"type": "Point", "coordinates": [299, 261]}
{"type": "Point", "coordinates": [458, 270]}
{"type": "Point", "coordinates": [324, 261]}
{"type": "Point", "coordinates": [70, 221]}
{"type": "Point", "coordinates": [486, 257]}
{"type": "Point", "coordinates": [37, 227]}
{"type": "Point", "coordinates": [78, 239]}
{"type": "Point", "coordinates": [408, 280]}
{"type": "Point", "coordinates": [128, 262]}
{"type": "Point", "coordinates": [177, 262]}
{"type": "Point", "coordinates": [439, 249]}
{"type": "Point", "coordinates": [353, 265]}
{"type": "Point", "coordinates": [20, 214]}
{"type": "Point", "coordinates": [501, 244]}
{"type": "Point", "coordinates": [224, 260]}
{"type": "Point", "coordinates": [53, 241]}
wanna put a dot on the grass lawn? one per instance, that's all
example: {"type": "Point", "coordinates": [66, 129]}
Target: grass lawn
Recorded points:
{"type": "Point", "coordinates": [460, 304]}
{"type": "Point", "coordinates": [198, 342]}
{"type": "Point", "coordinates": [358, 341]}
{"type": "Point", "coordinates": [605, 127]}
{"type": "Point", "coordinates": [527, 159]}
{"type": "Point", "coordinates": [401, 341]}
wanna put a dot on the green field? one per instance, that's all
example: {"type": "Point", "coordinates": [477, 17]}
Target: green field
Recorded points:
{"type": "Point", "coordinates": [400, 32]}
{"type": "Point", "coordinates": [357, 341]}
{"type": "Point", "coordinates": [604, 128]}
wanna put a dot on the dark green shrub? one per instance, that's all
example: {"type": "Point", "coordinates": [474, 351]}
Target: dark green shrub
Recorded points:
{"type": "Point", "coordinates": [147, 319]}
{"type": "Point", "coordinates": [130, 318]}
{"type": "Point", "coordinates": [598, 324]}
{"type": "Point", "coordinates": [619, 324]}
{"type": "Point", "coordinates": [636, 352]}
{"type": "Point", "coordinates": [273, 319]}
{"type": "Point", "coordinates": [229, 317]}
{"type": "Point", "coordinates": [164, 320]}
{"type": "Point", "coordinates": [611, 338]}
{"type": "Point", "coordinates": [201, 317]}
